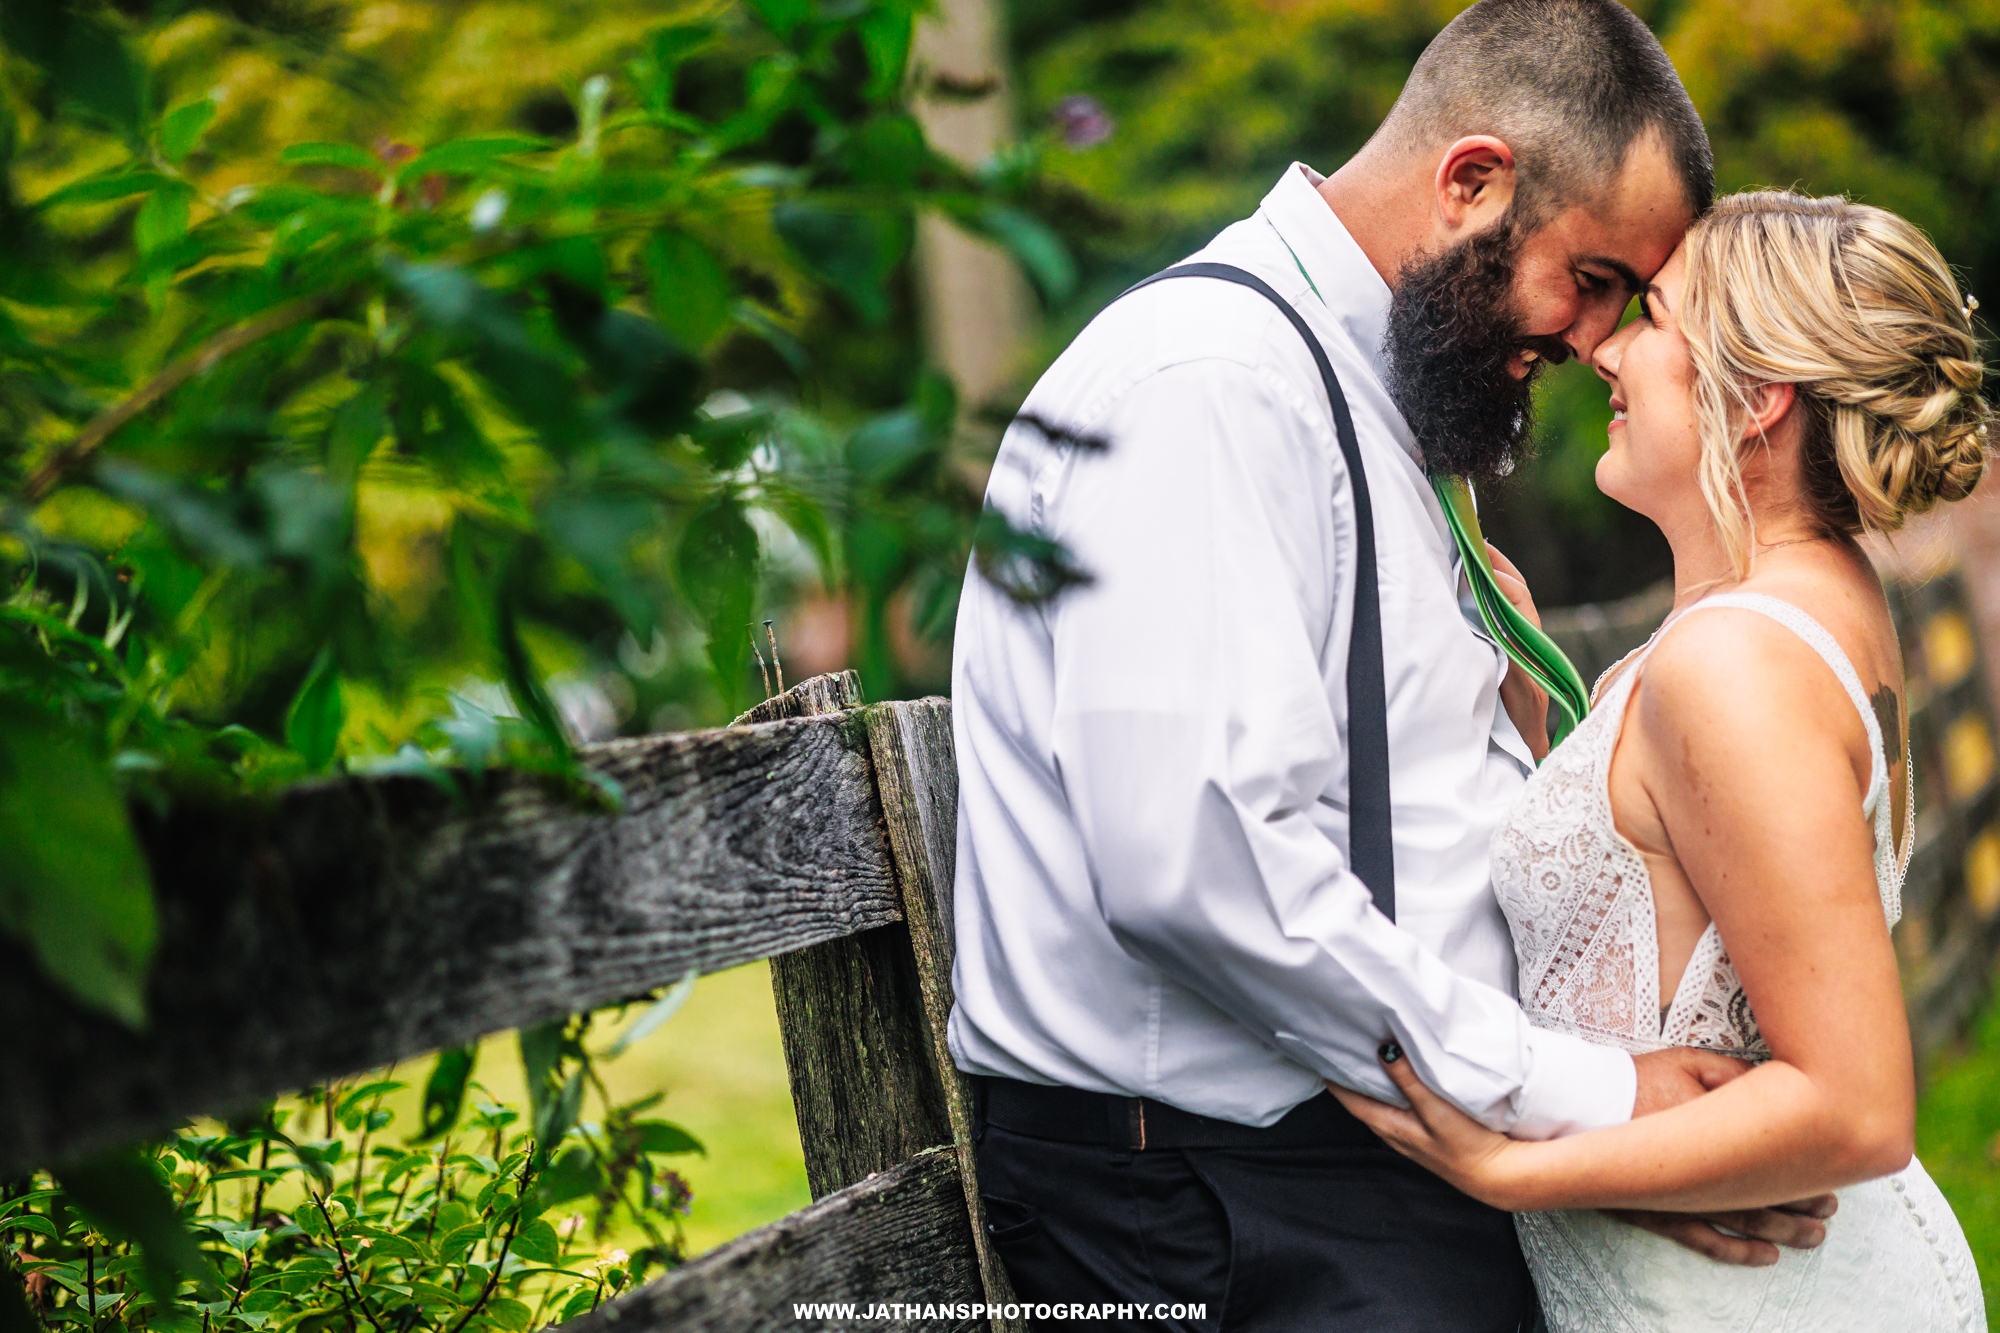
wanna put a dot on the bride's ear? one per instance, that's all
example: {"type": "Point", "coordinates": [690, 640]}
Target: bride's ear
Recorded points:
{"type": "Point", "coordinates": [1768, 405]}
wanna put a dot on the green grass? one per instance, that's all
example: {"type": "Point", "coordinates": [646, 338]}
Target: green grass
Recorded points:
{"type": "Point", "coordinates": [721, 1064]}
{"type": "Point", "coordinates": [1958, 1140]}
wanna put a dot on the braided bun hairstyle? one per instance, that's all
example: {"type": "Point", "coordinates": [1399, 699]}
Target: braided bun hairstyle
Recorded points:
{"type": "Point", "coordinates": [1855, 307]}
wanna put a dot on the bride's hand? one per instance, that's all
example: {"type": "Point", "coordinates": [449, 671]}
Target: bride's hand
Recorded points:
{"type": "Point", "coordinates": [1437, 1135]}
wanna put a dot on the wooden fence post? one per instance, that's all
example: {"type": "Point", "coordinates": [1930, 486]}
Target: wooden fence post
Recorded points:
{"type": "Point", "coordinates": [916, 775]}
{"type": "Point", "coordinates": [852, 1014]}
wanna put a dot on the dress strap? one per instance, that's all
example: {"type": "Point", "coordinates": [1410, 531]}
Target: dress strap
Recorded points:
{"type": "Point", "coordinates": [1820, 641]}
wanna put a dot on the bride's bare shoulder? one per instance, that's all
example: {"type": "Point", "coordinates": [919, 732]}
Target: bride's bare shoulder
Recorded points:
{"type": "Point", "coordinates": [1732, 679]}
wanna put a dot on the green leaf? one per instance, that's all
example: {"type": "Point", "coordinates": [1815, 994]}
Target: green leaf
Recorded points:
{"type": "Point", "coordinates": [351, 1104]}
{"type": "Point", "coordinates": [693, 297]}
{"type": "Point", "coordinates": [444, 1093]}
{"type": "Point", "coordinates": [329, 155]}
{"type": "Point", "coordinates": [537, 1241]}
{"type": "Point", "coordinates": [243, 1241]}
{"type": "Point", "coordinates": [357, 428]}
{"type": "Point", "coordinates": [104, 187]}
{"type": "Point", "coordinates": [541, 1050]}
{"type": "Point", "coordinates": [782, 16]}
{"type": "Point", "coordinates": [122, 1195]}
{"type": "Point", "coordinates": [163, 219]}
{"type": "Point", "coordinates": [807, 519]}
{"type": "Point", "coordinates": [388, 1245]}
{"type": "Point", "coordinates": [430, 1293]}
{"type": "Point", "coordinates": [887, 152]}
{"type": "Point", "coordinates": [524, 683]}
{"type": "Point", "coordinates": [88, 64]}
{"type": "Point", "coordinates": [72, 881]}
{"type": "Point", "coordinates": [467, 157]}
{"type": "Point", "coordinates": [183, 127]}
{"type": "Point", "coordinates": [34, 1222]}
{"type": "Point", "coordinates": [1040, 250]}
{"type": "Point", "coordinates": [598, 530]}
{"type": "Point", "coordinates": [658, 1012]}
{"type": "Point", "coordinates": [313, 722]}
{"type": "Point", "coordinates": [529, 381]}
{"type": "Point", "coordinates": [460, 1239]}
{"type": "Point", "coordinates": [717, 565]}
{"type": "Point", "coordinates": [509, 1313]}
{"type": "Point", "coordinates": [886, 450]}
{"type": "Point", "coordinates": [309, 1220]}
{"type": "Point", "coordinates": [885, 38]}
{"type": "Point", "coordinates": [659, 1136]}
{"type": "Point", "coordinates": [854, 250]}
{"type": "Point", "coordinates": [573, 1175]}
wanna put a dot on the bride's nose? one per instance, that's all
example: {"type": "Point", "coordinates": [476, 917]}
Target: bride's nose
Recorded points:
{"type": "Point", "coordinates": [1607, 355]}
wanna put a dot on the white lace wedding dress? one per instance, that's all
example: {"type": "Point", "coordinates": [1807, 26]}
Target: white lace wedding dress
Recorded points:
{"type": "Point", "coordinates": [1580, 903]}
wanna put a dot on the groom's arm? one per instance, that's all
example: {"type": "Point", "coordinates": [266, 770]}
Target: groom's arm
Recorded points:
{"type": "Point", "coordinates": [1198, 721]}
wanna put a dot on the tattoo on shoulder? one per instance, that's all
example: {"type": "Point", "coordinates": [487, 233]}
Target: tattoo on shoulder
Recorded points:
{"type": "Point", "coordinates": [1888, 717]}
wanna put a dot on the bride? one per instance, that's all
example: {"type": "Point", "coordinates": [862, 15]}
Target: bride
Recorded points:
{"type": "Point", "coordinates": [1715, 856]}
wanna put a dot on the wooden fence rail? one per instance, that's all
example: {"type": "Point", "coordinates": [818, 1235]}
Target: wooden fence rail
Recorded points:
{"type": "Point", "coordinates": [346, 924]}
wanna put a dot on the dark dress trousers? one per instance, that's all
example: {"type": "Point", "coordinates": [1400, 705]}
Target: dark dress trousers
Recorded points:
{"type": "Point", "coordinates": [1312, 1224]}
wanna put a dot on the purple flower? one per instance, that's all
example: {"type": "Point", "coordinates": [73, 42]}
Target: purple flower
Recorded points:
{"type": "Point", "coordinates": [1082, 121]}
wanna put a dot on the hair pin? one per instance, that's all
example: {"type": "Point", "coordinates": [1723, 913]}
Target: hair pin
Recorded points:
{"type": "Point", "coordinates": [1971, 304]}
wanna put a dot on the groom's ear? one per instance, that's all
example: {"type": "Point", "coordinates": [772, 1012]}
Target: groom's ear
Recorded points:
{"type": "Point", "coordinates": [1475, 184]}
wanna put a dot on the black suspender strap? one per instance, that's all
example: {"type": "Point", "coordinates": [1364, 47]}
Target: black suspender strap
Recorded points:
{"type": "Point", "coordinates": [1371, 852]}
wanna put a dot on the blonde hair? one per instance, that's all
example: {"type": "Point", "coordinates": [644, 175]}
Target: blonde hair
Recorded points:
{"type": "Point", "coordinates": [1855, 307]}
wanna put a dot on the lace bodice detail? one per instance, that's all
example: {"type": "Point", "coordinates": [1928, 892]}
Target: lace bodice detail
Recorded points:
{"type": "Point", "coordinates": [1580, 901]}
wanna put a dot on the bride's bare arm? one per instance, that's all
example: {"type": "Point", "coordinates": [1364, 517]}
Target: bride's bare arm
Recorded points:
{"type": "Point", "coordinates": [1756, 761]}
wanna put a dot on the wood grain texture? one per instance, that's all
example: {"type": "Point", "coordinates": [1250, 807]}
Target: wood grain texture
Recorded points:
{"type": "Point", "coordinates": [851, 1012]}
{"type": "Point", "coordinates": [809, 698]}
{"type": "Point", "coordinates": [916, 776]}
{"type": "Point", "coordinates": [349, 923]}
{"type": "Point", "coordinates": [898, 1236]}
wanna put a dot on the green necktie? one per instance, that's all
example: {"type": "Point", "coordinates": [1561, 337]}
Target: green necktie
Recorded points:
{"type": "Point", "coordinates": [1530, 649]}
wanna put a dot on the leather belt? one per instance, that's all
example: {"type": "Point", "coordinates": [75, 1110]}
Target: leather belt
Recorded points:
{"type": "Point", "coordinates": [1137, 1124]}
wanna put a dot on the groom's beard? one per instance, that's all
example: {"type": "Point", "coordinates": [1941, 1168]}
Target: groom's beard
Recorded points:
{"type": "Point", "coordinates": [1451, 337]}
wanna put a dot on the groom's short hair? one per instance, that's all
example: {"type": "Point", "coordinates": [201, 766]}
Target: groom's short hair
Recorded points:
{"type": "Point", "coordinates": [1569, 85]}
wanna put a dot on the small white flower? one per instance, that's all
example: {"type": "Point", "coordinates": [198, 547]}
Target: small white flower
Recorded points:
{"type": "Point", "coordinates": [488, 209]}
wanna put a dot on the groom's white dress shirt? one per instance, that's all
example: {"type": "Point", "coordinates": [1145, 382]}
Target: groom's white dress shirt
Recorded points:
{"type": "Point", "coordinates": [1153, 896]}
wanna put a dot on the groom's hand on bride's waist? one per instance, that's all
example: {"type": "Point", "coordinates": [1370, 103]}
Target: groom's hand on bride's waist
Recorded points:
{"type": "Point", "coordinates": [1748, 1236]}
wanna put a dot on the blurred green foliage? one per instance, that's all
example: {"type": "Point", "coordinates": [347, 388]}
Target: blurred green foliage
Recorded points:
{"type": "Point", "coordinates": [413, 384]}
{"type": "Point", "coordinates": [1892, 102]}
{"type": "Point", "coordinates": [420, 387]}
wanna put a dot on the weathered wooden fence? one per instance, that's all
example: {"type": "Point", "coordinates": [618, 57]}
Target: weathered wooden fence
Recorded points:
{"type": "Point", "coordinates": [349, 923]}
{"type": "Point", "coordinates": [1950, 932]}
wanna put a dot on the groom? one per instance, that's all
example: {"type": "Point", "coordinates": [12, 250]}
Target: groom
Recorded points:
{"type": "Point", "coordinates": [1162, 947]}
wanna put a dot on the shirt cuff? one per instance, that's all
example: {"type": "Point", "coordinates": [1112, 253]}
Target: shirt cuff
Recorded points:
{"type": "Point", "coordinates": [1573, 1085]}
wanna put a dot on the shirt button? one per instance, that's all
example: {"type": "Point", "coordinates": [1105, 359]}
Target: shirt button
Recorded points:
{"type": "Point", "coordinates": [1931, 1236]}
{"type": "Point", "coordinates": [1896, 1185]}
{"type": "Point", "coordinates": [1920, 1218]}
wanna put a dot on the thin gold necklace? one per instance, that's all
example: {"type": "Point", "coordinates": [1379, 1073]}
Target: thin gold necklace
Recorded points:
{"type": "Point", "coordinates": [1790, 541]}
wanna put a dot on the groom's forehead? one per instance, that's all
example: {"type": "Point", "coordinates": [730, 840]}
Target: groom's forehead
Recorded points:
{"type": "Point", "coordinates": [1633, 223]}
